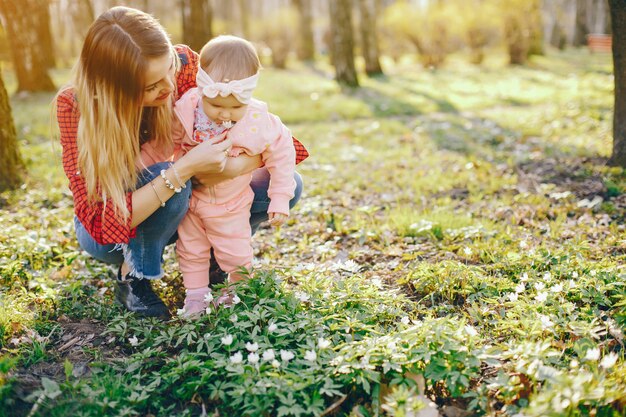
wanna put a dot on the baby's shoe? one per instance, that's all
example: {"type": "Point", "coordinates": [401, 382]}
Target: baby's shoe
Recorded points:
{"type": "Point", "coordinates": [195, 302]}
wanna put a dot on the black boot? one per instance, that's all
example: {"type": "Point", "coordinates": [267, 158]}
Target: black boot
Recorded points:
{"type": "Point", "coordinates": [137, 296]}
{"type": "Point", "coordinates": [216, 275]}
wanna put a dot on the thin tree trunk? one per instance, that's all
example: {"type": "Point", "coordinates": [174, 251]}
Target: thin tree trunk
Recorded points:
{"type": "Point", "coordinates": [45, 35]}
{"type": "Point", "coordinates": [342, 42]}
{"type": "Point", "coordinates": [244, 15]}
{"type": "Point", "coordinates": [197, 23]}
{"type": "Point", "coordinates": [11, 166]}
{"type": "Point", "coordinates": [618, 22]}
{"type": "Point", "coordinates": [306, 44]}
{"type": "Point", "coordinates": [27, 45]}
{"type": "Point", "coordinates": [369, 37]}
{"type": "Point", "coordinates": [582, 28]}
{"type": "Point", "coordinates": [536, 29]}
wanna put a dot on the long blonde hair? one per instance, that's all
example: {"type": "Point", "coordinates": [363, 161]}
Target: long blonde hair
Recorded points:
{"type": "Point", "coordinates": [109, 82]}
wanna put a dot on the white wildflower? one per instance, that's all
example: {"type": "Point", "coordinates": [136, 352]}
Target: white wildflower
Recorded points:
{"type": "Point", "coordinates": [593, 272]}
{"type": "Point", "coordinates": [286, 355]}
{"type": "Point", "coordinates": [513, 296]}
{"type": "Point", "coordinates": [233, 318]}
{"type": "Point", "coordinates": [541, 296]}
{"type": "Point", "coordinates": [609, 360]}
{"type": "Point", "coordinates": [351, 266]}
{"type": "Point", "coordinates": [574, 274]}
{"type": "Point", "coordinates": [523, 244]}
{"type": "Point", "coordinates": [227, 340]}
{"type": "Point", "coordinates": [252, 347]}
{"type": "Point", "coordinates": [546, 323]}
{"type": "Point", "coordinates": [236, 299]}
{"type": "Point", "coordinates": [275, 364]}
{"type": "Point", "coordinates": [236, 358]}
{"type": "Point", "coordinates": [323, 343]}
{"type": "Point", "coordinates": [180, 312]}
{"type": "Point", "coordinates": [571, 283]}
{"type": "Point", "coordinates": [227, 124]}
{"type": "Point", "coordinates": [539, 286]}
{"type": "Point", "coordinates": [404, 320]}
{"type": "Point", "coordinates": [467, 251]}
{"type": "Point", "coordinates": [272, 328]}
{"type": "Point", "coordinates": [268, 355]}
{"type": "Point", "coordinates": [310, 356]}
{"type": "Point", "coordinates": [302, 296]}
{"type": "Point", "coordinates": [547, 276]}
{"type": "Point", "coordinates": [524, 276]}
{"type": "Point", "coordinates": [377, 282]}
{"type": "Point", "coordinates": [208, 298]}
{"type": "Point", "coordinates": [253, 358]}
{"type": "Point", "coordinates": [208, 310]}
{"type": "Point", "coordinates": [592, 354]}
{"type": "Point", "coordinates": [470, 330]}
{"type": "Point", "coordinates": [133, 341]}
{"type": "Point", "coordinates": [557, 288]}
{"type": "Point", "coordinates": [520, 288]}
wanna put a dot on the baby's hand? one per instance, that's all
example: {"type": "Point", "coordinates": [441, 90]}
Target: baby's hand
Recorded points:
{"type": "Point", "coordinates": [276, 219]}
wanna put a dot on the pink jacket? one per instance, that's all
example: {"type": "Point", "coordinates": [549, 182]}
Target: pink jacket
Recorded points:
{"type": "Point", "coordinates": [258, 132]}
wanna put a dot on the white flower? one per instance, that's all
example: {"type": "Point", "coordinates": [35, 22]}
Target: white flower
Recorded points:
{"type": "Point", "coordinates": [233, 318]}
{"type": "Point", "coordinates": [512, 296]}
{"type": "Point", "coordinates": [523, 244]}
{"type": "Point", "coordinates": [547, 276]}
{"type": "Point", "coordinates": [467, 251]}
{"type": "Point", "coordinates": [323, 343]}
{"type": "Point", "coordinates": [539, 286]}
{"type": "Point", "coordinates": [227, 124]}
{"type": "Point", "coordinates": [405, 320]}
{"type": "Point", "coordinates": [593, 272]}
{"type": "Point", "coordinates": [310, 356]}
{"type": "Point", "coordinates": [180, 312]}
{"type": "Point", "coordinates": [227, 340]}
{"type": "Point", "coordinates": [470, 330]}
{"type": "Point", "coordinates": [272, 328]}
{"type": "Point", "coordinates": [252, 347]}
{"type": "Point", "coordinates": [574, 274]}
{"type": "Point", "coordinates": [268, 355]}
{"type": "Point", "coordinates": [541, 296]}
{"type": "Point", "coordinates": [275, 363]}
{"type": "Point", "coordinates": [520, 288]}
{"type": "Point", "coordinates": [592, 354]}
{"type": "Point", "coordinates": [286, 355]}
{"type": "Point", "coordinates": [133, 341]}
{"type": "Point", "coordinates": [571, 283]}
{"type": "Point", "coordinates": [556, 288]}
{"type": "Point", "coordinates": [524, 277]}
{"type": "Point", "coordinates": [236, 358]}
{"type": "Point", "coordinates": [609, 360]}
{"type": "Point", "coordinates": [377, 282]}
{"type": "Point", "coordinates": [253, 358]}
{"type": "Point", "coordinates": [208, 298]}
{"type": "Point", "coordinates": [302, 296]}
{"type": "Point", "coordinates": [546, 323]}
{"type": "Point", "coordinates": [350, 266]}
{"type": "Point", "coordinates": [236, 299]}
{"type": "Point", "coordinates": [208, 310]}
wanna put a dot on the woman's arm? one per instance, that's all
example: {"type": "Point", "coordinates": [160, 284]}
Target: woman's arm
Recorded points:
{"type": "Point", "coordinates": [234, 167]}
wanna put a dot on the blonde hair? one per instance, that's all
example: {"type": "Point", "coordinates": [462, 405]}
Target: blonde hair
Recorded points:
{"type": "Point", "coordinates": [109, 81]}
{"type": "Point", "coordinates": [226, 58]}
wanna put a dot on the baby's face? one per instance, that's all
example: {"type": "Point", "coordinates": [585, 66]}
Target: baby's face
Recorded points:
{"type": "Point", "coordinates": [221, 109]}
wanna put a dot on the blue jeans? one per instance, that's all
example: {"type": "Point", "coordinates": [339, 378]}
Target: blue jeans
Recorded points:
{"type": "Point", "coordinates": [144, 253]}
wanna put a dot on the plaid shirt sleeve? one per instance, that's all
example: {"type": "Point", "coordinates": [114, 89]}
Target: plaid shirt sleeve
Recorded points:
{"type": "Point", "coordinates": [99, 219]}
{"type": "Point", "coordinates": [186, 79]}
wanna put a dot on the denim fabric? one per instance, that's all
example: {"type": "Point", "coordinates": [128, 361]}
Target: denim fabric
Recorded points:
{"type": "Point", "coordinates": [144, 252]}
{"type": "Point", "coordinates": [260, 183]}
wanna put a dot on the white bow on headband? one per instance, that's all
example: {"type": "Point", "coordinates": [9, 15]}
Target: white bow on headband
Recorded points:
{"type": "Point", "coordinates": [241, 89]}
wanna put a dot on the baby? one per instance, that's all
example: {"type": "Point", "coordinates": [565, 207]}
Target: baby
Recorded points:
{"type": "Point", "coordinates": [218, 216]}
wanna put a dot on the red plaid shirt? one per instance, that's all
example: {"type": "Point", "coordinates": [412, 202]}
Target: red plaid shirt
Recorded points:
{"type": "Point", "coordinates": [99, 219]}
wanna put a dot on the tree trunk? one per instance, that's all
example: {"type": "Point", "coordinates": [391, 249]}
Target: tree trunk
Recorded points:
{"type": "Point", "coordinates": [244, 16]}
{"type": "Point", "coordinates": [582, 29]}
{"type": "Point", "coordinates": [45, 35]}
{"type": "Point", "coordinates": [28, 45]}
{"type": "Point", "coordinates": [306, 43]}
{"type": "Point", "coordinates": [11, 166]}
{"type": "Point", "coordinates": [197, 23]}
{"type": "Point", "coordinates": [342, 42]}
{"type": "Point", "coordinates": [535, 46]}
{"type": "Point", "coordinates": [369, 37]}
{"type": "Point", "coordinates": [618, 22]}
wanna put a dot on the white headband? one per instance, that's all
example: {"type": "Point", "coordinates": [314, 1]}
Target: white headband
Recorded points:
{"type": "Point", "coordinates": [241, 89]}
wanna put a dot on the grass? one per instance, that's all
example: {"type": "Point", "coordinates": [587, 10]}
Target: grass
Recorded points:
{"type": "Point", "coordinates": [458, 225]}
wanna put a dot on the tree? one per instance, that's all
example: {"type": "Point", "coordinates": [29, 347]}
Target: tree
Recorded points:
{"type": "Point", "coordinates": [369, 37]}
{"type": "Point", "coordinates": [197, 23]}
{"type": "Point", "coordinates": [306, 44]}
{"type": "Point", "coordinates": [342, 42]}
{"type": "Point", "coordinates": [582, 29]}
{"type": "Point", "coordinates": [11, 165]}
{"type": "Point", "coordinates": [618, 27]}
{"type": "Point", "coordinates": [28, 45]}
{"type": "Point", "coordinates": [244, 17]}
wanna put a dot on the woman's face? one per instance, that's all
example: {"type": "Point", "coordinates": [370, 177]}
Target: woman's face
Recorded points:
{"type": "Point", "coordinates": [159, 81]}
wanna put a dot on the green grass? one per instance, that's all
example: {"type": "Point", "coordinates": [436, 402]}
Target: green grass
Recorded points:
{"type": "Point", "coordinates": [446, 231]}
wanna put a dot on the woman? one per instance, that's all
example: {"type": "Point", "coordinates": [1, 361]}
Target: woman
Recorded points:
{"type": "Point", "coordinates": [126, 209]}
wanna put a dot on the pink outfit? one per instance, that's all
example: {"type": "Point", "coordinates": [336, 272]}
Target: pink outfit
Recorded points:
{"type": "Point", "coordinates": [219, 216]}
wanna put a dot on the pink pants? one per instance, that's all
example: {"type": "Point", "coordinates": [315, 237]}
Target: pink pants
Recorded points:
{"type": "Point", "coordinates": [223, 227]}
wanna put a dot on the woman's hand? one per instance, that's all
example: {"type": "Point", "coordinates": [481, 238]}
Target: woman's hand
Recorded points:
{"type": "Point", "coordinates": [205, 159]}
{"type": "Point", "coordinates": [234, 167]}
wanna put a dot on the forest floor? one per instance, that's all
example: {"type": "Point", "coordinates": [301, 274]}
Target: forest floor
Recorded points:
{"type": "Point", "coordinates": [460, 233]}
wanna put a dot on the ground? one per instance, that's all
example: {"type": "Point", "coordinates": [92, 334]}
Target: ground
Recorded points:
{"type": "Point", "coordinates": [458, 225]}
